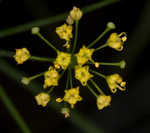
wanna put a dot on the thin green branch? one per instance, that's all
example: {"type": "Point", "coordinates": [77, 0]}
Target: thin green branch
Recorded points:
{"type": "Point", "coordinates": [45, 59]}
{"type": "Point", "coordinates": [76, 36]}
{"type": "Point", "coordinates": [53, 19]}
{"type": "Point", "coordinates": [70, 77]}
{"type": "Point", "coordinates": [47, 42]}
{"type": "Point", "coordinates": [13, 111]}
{"type": "Point", "coordinates": [97, 87]}
{"type": "Point", "coordinates": [98, 38]}
{"type": "Point", "coordinates": [101, 47]}
{"type": "Point", "coordinates": [92, 91]}
{"type": "Point", "coordinates": [67, 82]}
{"type": "Point", "coordinates": [98, 74]}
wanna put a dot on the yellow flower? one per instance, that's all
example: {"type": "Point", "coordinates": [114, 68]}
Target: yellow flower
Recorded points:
{"type": "Point", "coordinates": [103, 101]}
{"type": "Point", "coordinates": [72, 96]}
{"type": "Point", "coordinates": [42, 99]}
{"type": "Point", "coordinates": [63, 60]}
{"type": "Point", "coordinates": [82, 74]}
{"type": "Point", "coordinates": [51, 78]}
{"type": "Point", "coordinates": [64, 32]}
{"type": "Point", "coordinates": [22, 55]}
{"type": "Point", "coordinates": [59, 100]}
{"type": "Point", "coordinates": [76, 13]}
{"type": "Point", "coordinates": [84, 55]}
{"type": "Point", "coordinates": [116, 41]}
{"type": "Point", "coordinates": [115, 81]}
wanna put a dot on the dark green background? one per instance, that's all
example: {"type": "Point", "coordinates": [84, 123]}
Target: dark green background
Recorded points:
{"type": "Point", "coordinates": [130, 110]}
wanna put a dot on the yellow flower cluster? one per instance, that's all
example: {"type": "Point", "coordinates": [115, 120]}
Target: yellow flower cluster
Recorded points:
{"type": "Point", "coordinates": [116, 41]}
{"type": "Point", "coordinates": [22, 55]}
{"type": "Point", "coordinates": [64, 32]}
{"type": "Point", "coordinates": [63, 60]}
{"type": "Point", "coordinates": [51, 78]}
{"type": "Point", "coordinates": [42, 99]}
{"type": "Point", "coordinates": [115, 81]}
{"type": "Point", "coordinates": [77, 65]}
{"type": "Point", "coordinates": [82, 74]}
{"type": "Point", "coordinates": [103, 101]}
{"type": "Point", "coordinates": [84, 55]}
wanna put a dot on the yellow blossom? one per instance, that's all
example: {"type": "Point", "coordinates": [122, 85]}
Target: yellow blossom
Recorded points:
{"type": "Point", "coordinates": [97, 64]}
{"type": "Point", "coordinates": [76, 13]}
{"type": "Point", "coordinates": [63, 60]}
{"type": "Point", "coordinates": [116, 41]}
{"type": "Point", "coordinates": [42, 99]}
{"type": "Point", "coordinates": [72, 96]}
{"type": "Point", "coordinates": [82, 74]}
{"type": "Point", "coordinates": [115, 81]}
{"type": "Point", "coordinates": [64, 32]}
{"type": "Point", "coordinates": [51, 78]}
{"type": "Point", "coordinates": [59, 100]}
{"type": "Point", "coordinates": [22, 55]}
{"type": "Point", "coordinates": [103, 101]}
{"type": "Point", "coordinates": [84, 55]}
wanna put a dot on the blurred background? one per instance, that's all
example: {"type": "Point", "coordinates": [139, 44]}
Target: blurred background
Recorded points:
{"type": "Point", "coordinates": [129, 111]}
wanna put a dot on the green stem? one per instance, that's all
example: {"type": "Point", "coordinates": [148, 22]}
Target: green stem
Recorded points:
{"type": "Point", "coordinates": [70, 76]}
{"type": "Point", "coordinates": [42, 59]}
{"type": "Point", "coordinates": [50, 90]}
{"type": "Point", "coordinates": [47, 42]}
{"type": "Point", "coordinates": [13, 111]}
{"type": "Point", "coordinates": [67, 83]}
{"type": "Point", "coordinates": [110, 64]}
{"type": "Point", "coordinates": [101, 47]}
{"type": "Point", "coordinates": [97, 87]}
{"type": "Point", "coordinates": [98, 38]}
{"type": "Point", "coordinates": [36, 76]}
{"type": "Point", "coordinates": [99, 74]}
{"type": "Point", "coordinates": [76, 36]}
{"type": "Point", "coordinates": [91, 90]}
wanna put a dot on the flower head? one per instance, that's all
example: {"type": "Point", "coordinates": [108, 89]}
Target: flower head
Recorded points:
{"type": "Point", "coordinates": [63, 60]}
{"type": "Point", "coordinates": [72, 96]}
{"type": "Point", "coordinates": [84, 55]}
{"type": "Point", "coordinates": [76, 13]}
{"type": "Point", "coordinates": [51, 78]}
{"type": "Point", "coordinates": [22, 55]}
{"type": "Point", "coordinates": [103, 101]}
{"type": "Point", "coordinates": [64, 32]}
{"type": "Point", "coordinates": [42, 99]}
{"type": "Point", "coordinates": [116, 41]}
{"type": "Point", "coordinates": [115, 81]}
{"type": "Point", "coordinates": [82, 74]}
